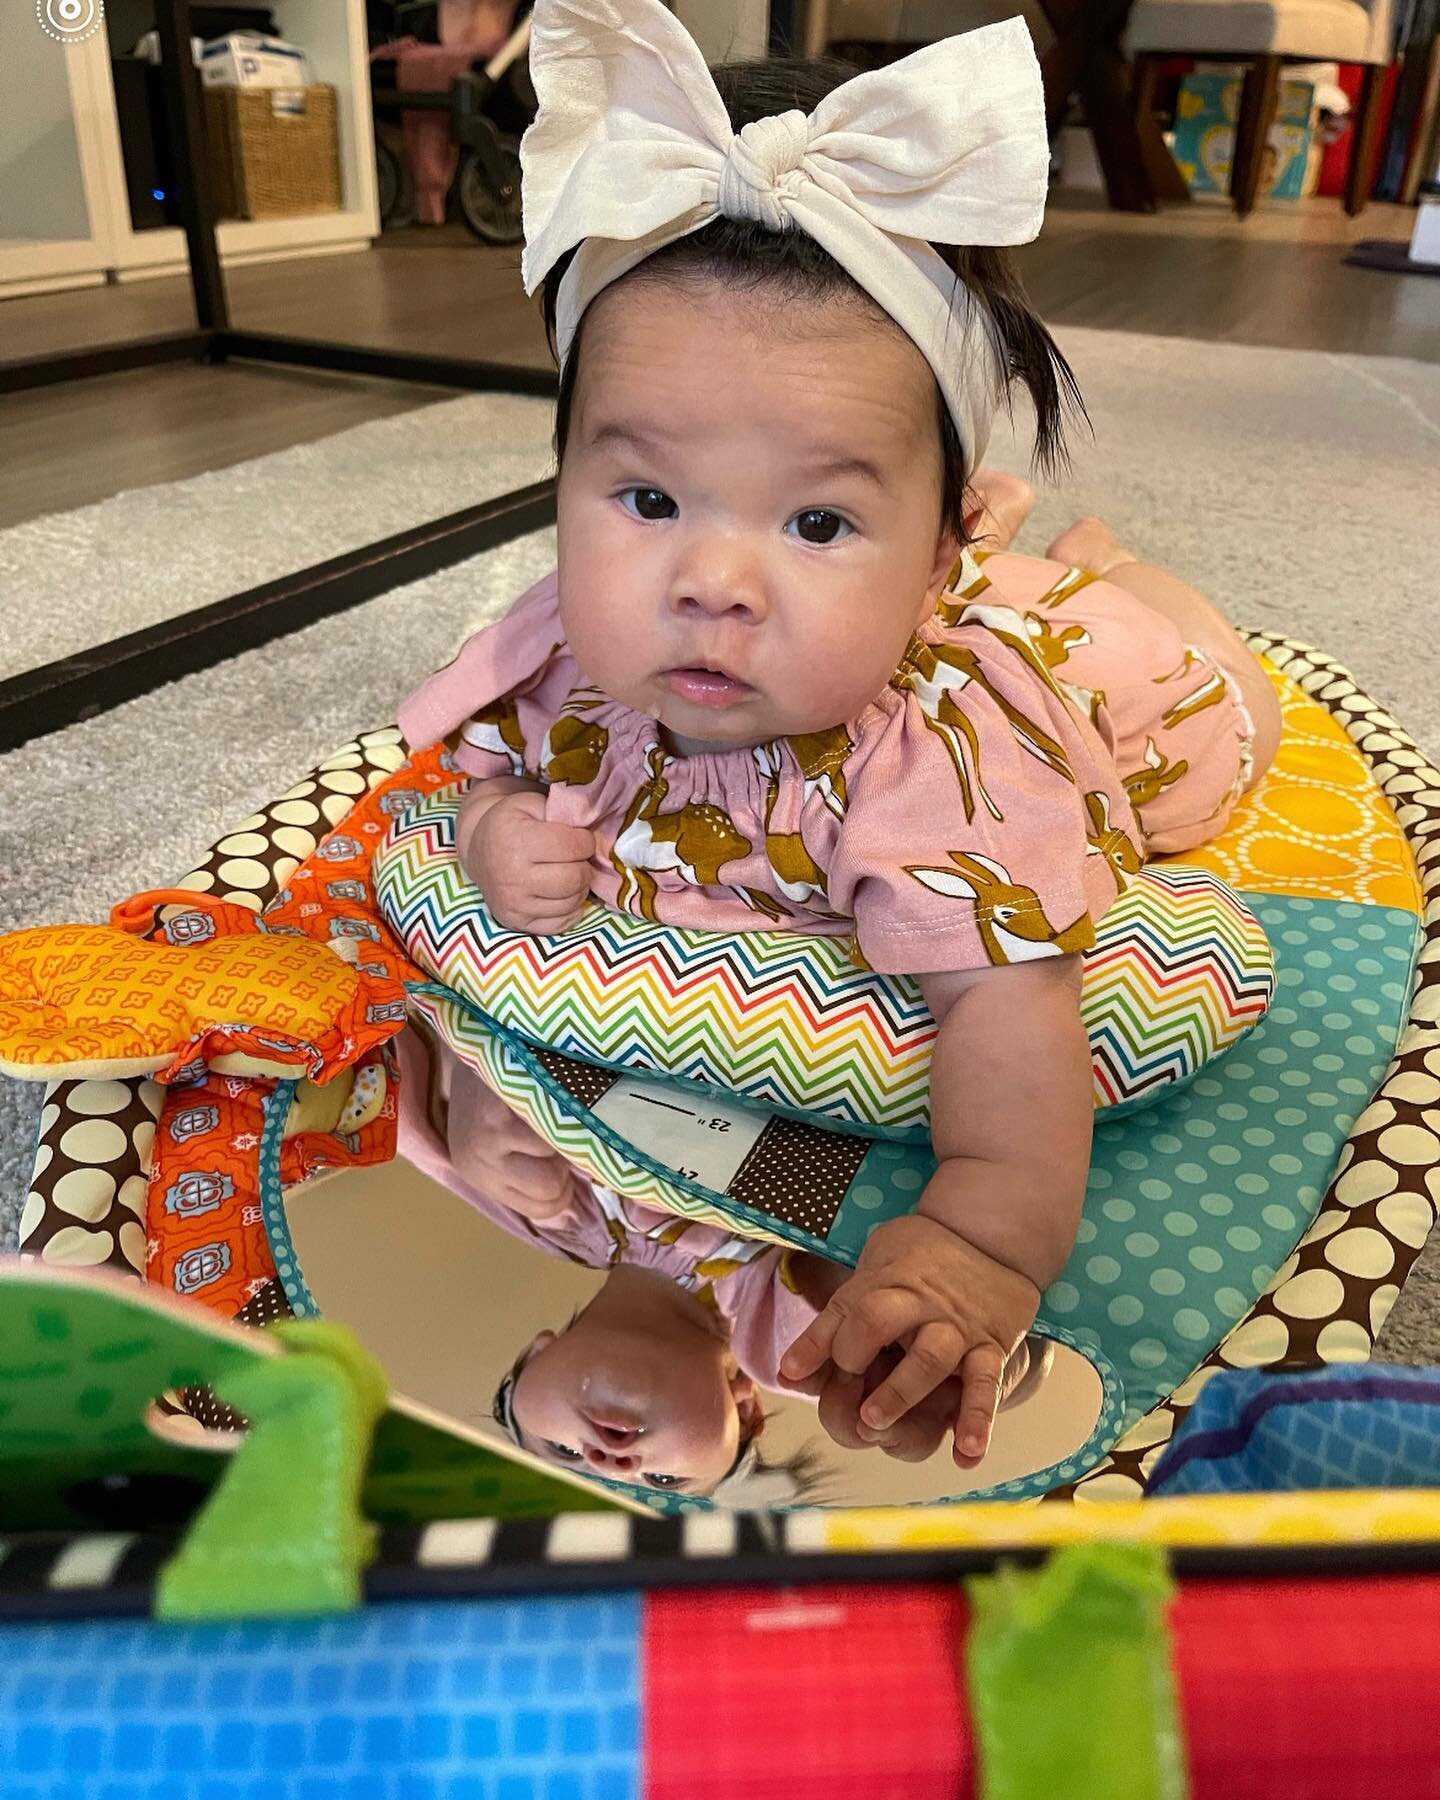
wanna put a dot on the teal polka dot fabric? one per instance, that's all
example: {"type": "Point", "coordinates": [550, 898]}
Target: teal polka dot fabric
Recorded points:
{"type": "Point", "coordinates": [272, 1204]}
{"type": "Point", "coordinates": [1195, 1202]}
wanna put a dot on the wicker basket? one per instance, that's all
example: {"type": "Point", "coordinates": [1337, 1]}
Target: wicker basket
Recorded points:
{"type": "Point", "coordinates": [273, 151]}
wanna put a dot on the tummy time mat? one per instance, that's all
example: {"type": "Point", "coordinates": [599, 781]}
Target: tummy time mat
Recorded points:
{"type": "Point", "coordinates": [1268, 1210]}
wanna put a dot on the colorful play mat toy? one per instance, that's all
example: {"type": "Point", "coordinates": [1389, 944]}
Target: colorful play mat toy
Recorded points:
{"type": "Point", "coordinates": [1261, 1015]}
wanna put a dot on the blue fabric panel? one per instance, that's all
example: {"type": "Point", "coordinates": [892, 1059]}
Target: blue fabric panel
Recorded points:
{"type": "Point", "coordinates": [1359, 1425]}
{"type": "Point", "coordinates": [455, 1700]}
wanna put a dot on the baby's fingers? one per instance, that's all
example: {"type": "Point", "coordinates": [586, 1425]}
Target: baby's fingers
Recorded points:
{"type": "Point", "coordinates": [839, 1409]}
{"type": "Point", "coordinates": [563, 883]}
{"type": "Point", "coordinates": [933, 1356]}
{"type": "Point", "coordinates": [553, 842]}
{"type": "Point", "coordinates": [981, 1375]}
{"type": "Point", "coordinates": [811, 1350]}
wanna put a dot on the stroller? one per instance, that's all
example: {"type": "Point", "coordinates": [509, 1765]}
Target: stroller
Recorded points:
{"type": "Point", "coordinates": [448, 125]}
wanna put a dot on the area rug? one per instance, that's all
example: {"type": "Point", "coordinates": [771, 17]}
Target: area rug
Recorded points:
{"type": "Point", "coordinates": [1295, 487]}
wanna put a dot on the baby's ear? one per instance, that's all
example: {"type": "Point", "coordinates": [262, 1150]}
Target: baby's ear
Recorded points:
{"type": "Point", "coordinates": [947, 554]}
{"type": "Point", "coordinates": [746, 1396]}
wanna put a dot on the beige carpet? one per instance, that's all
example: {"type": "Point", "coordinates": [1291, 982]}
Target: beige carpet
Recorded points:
{"type": "Point", "coordinates": [1298, 489]}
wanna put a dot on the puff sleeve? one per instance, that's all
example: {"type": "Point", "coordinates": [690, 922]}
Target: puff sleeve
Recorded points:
{"type": "Point", "coordinates": [495, 700]}
{"type": "Point", "coordinates": [986, 822]}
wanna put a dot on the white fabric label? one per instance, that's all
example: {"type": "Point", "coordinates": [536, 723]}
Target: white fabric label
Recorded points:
{"type": "Point", "coordinates": [704, 1137]}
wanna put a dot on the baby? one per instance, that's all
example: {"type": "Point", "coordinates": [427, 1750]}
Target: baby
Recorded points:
{"type": "Point", "coordinates": [769, 686]}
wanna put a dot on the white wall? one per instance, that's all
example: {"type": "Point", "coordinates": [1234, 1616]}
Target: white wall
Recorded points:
{"type": "Point", "coordinates": [726, 30]}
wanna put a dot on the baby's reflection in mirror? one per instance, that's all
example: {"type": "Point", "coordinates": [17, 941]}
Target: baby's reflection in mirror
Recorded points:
{"type": "Point", "coordinates": [657, 1382]}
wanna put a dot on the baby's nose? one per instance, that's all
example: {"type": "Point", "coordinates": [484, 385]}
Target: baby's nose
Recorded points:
{"type": "Point", "coordinates": [608, 1461]}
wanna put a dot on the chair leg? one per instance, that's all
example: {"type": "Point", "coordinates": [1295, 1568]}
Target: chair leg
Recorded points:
{"type": "Point", "coordinates": [1160, 165]}
{"type": "Point", "coordinates": [1257, 110]}
{"type": "Point", "coordinates": [1362, 144]}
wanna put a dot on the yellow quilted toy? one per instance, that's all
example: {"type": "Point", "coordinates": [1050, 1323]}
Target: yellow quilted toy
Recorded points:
{"type": "Point", "coordinates": [84, 1001]}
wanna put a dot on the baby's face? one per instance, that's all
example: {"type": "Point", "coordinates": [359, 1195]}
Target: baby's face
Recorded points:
{"type": "Point", "coordinates": [749, 512]}
{"type": "Point", "coordinates": [641, 1404]}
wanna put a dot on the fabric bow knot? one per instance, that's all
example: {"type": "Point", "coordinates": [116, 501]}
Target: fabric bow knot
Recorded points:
{"type": "Point", "coordinates": [761, 155]}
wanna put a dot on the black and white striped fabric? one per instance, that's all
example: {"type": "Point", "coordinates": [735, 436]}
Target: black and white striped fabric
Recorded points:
{"type": "Point", "coordinates": [71, 1574]}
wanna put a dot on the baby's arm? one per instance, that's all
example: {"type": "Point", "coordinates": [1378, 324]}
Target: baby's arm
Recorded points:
{"type": "Point", "coordinates": [533, 871]}
{"type": "Point", "coordinates": [957, 1284]}
{"type": "Point", "coordinates": [499, 1154]}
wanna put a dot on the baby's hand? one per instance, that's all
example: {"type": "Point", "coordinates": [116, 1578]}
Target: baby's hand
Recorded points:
{"type": "Point", "coordinates": [953, 1310]}
{"type": "Point", "coordinates": [533, 871]}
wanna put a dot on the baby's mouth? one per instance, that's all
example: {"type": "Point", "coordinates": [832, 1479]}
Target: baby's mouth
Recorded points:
{"type": "Point", "coordinates": [705, 686]}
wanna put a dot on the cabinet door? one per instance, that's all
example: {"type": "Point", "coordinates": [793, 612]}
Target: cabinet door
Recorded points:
{"type": "Point", "coordinates": [52, 207]}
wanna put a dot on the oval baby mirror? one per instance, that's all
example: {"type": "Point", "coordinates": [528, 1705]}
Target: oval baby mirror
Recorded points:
{"type": "Point", "coordinates": [448, 1303]}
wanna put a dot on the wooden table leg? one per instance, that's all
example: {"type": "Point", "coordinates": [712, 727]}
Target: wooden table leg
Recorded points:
{"type": "Point", "coordinates": [1164, 172]}
{"type": "Point", "coordinates": [1257, 110]}
{"type": "Point", "coordinates": [1362, 149]}
{"type": "Point", "coordinates": [1085, 56]}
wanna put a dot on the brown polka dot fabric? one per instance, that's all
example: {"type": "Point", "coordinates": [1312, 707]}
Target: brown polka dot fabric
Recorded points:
{"type": "Point", "coordinates": [87, 1199]}
{"type": "Point", "coordinates": [268, 1307]}
{"type": "Point", "coordinates": [799, 1174]}
{"type": "Point", "coordinates": [86, 1204]}
{"type": "Point", "coordinates": [795, 1172]}
{"type": "Point", "coordinates": [582, 1081]}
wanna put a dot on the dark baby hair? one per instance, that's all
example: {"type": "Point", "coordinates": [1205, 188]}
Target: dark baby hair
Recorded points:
{"type": "Point", "coordinates": [741, 253]}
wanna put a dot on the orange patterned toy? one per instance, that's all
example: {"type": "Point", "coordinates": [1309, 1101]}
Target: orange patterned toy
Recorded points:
{"type": "Point", "coordinates": [229, 1011]}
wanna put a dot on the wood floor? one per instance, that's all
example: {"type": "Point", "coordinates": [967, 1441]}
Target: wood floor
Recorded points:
{"type": "Point", "coordinates": [1276, 278]}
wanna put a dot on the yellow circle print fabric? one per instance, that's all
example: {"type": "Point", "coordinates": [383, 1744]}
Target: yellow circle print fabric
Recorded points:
{"type": "Point", "coordinates": [1318, 826]}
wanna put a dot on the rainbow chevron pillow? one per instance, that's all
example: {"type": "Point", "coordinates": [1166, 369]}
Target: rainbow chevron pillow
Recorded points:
{"type": "Point", "coordinates": [1180, 972]}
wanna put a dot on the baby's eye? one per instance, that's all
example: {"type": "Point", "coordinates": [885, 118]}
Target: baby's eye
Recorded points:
{"type": "Point", "coordinates": [665, 1481]}
{"type": "Point", "coordinates": [646, 499]}
{"type": "Point", "coordinates": [563, 1451]}
{"type": "Point", "coordinates": [818, 525]}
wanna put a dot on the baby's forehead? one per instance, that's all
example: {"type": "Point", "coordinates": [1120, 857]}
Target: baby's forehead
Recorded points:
{"type": "Point", "coordinates": [691, 369]}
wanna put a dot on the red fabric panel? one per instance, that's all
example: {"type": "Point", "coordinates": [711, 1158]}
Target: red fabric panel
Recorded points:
{"type": "Point", "coordinates": [841, 1691]}
{"type": "Point", "coordinates": [1310, 1690]}
{"type": "Point", "coordinates": [1290, 1690]}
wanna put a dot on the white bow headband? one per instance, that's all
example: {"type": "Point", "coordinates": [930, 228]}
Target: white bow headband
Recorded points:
{"type": "Point", "coordinates": [632, 148]}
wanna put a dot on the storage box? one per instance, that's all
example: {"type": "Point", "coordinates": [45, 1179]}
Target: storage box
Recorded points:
{"type": "Point", "coordinates": [273, 151]}
{"type": "Point", "coordinates": [1205, 115]}
{"type": "Point", "coordinates": [246, 60]}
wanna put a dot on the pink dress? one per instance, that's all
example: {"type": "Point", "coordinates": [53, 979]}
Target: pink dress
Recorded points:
{"type": "Point", "coordinates": [1044, 732]}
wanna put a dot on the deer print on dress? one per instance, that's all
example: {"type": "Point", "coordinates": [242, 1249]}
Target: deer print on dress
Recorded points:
{"type": "Point", "coordinates": [1054, 646]}
{"type": "Point", "coordinates": [724, 1258]}
{"type": "Point", "coordinates": [822, 756]}
{"type": "Point", "coordinates": [1067, 587]}
{"type": "Point", "coordinates": [1010, 918]}
{"type": "Point", "coordinates": [496, 728]}
{"type": "Point", "coordinates": [1211, 691]}
{"type": "Point", "coordinates": [1146, 785]}
{"type": "Point", "coordinates": [937, 674]}
{"type": "Point", "coordinates": [575, 746]}
{"type": "Point", "coordinates": [955, 597]}
{"type": "Point", "coordinates": [695, 842]}
{"type": "Point", "coordinates": [797, 874]}
{"type": "Point", "coordinates": [1109, 841]}
{"type": "Point", "coordinates": [1054, 642]}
